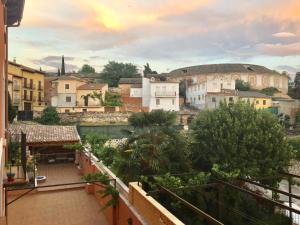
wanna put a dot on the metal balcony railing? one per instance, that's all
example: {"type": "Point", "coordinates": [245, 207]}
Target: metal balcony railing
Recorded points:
{"type": "Point", "coordinates": [16, 101]}
{"type": "Point", "coordinates": [40, 88]}
{"type": "Point", "coordinates": [27, 98]}
{"type": "Point", "coordinates": [16, 87]}
{"type": "Point", "coordinates": [29, 86]}
{"type": "Point", "coordinates": [165, 94]}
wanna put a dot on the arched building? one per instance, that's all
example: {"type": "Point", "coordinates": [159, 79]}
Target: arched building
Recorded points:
{"type": "Point", "coordinates": [214, 78]}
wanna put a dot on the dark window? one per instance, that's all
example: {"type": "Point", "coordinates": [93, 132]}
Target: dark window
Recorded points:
{"type": "Point", "coordinates": [25, 94]}
{"type": "Point", "coordinates": [31, 95]}
{"type": "Point", "coordinates": [67, 86]}
{"type": "Point", "coordinates": [213, 99]}
{"type": "Point", "coordinates": [40, 96]}
{"type": "Point", "coordinates": [40, 85]}
{"type": "Point", "coordinates": [84, 110]}
{"type": "Point", "coordinates": [230, 99]}
{"type": "Point", "coordinates": [257, 101]}
{"type": "Point", "coordinates": [157, 101]}
{"type": "Point", "coordinates": [264, 102]}
{"type": "Point", "coordinates": [31, 83]}
{"type": "Point", "coordinates": [67, 110]}
{"type": "Point", "coordinates": [68, 99]}
{"type": "Point", "coordinates": [25, 82]}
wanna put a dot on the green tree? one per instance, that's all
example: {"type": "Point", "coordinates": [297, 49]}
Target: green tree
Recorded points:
{"type": "Point", "coordinates": [113, 99]}
{"type": "Point", "coordinates": [63, 67]}
{"type": "Point", "coordinates": [148, 70]}
{"type": "Point", "coordinates": [156, 149]}
{"type": "Point", "coordinates": [114, 71]}
{"type": "Point", "coordinates": [12, 112]}
{"type": "Point", "coordinates": [86, 69]}
{"type": "Point", "coordinates": [49, 116]}
{"type": "Point", "coordinates": [270, 91]}
{"type": "Point", "coordinates": [239, 140]}
{"type": "Point", "coordinates": [58, 72]}
{"type": "Point", "coordinates": [242, 85]}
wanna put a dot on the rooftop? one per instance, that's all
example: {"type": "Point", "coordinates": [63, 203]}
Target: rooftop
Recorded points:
{"type": "Point", "coordinates": [96, 86]}
{"type": "Point", "coordinates": [26, 68]}
{"type": "Point", "coordinates": [221, 68]}
{"type": "Point", "coordinates": [252, 94]}
{"type": "Point", "coordinates": [45, 134]}
{"type": "Point", "coordinates": [130, 81]}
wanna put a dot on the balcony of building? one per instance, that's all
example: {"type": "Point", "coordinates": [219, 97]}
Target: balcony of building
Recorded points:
{"type": "Point", "coordinates": [41, 99]}
{"type": "Point", "coordinates": [27, 98]}
{"type": "Point", "coordinates": [16, 101]}
{"type": "Point", "coordinates": [16, 87]}
{"type": "Point", "coordinates": [29, 86]}
{"type": "Point", "coordinates": [165, 94]}
{"type": "Point", "coordinates": [40, 87]}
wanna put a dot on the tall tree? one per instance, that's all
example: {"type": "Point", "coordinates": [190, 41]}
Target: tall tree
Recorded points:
{"type": "Point", "coordinates": [58, 72]}
{"type": "Point", "coordinates": [242, 85]}
{"type": "Point", "coordinates": [49, 116]}
{"type": "Point", "coordinates": [148, 70]}
{"type": "Point", "coordinates": [86, 69]}
{"type": "Point", "coordinates": [11, 110]}
{"type": "Point", "coordinates": [63, 68]}
{"type": "Point", "coordinates": [114, 71]}
{"type": "Point", "coordinates": [238, 140]}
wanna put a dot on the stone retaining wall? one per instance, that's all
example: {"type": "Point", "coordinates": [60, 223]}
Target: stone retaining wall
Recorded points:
{"type": "Point", "coordinates": [91, 117]}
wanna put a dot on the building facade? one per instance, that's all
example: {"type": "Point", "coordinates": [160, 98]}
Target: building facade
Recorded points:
{"type": "Point", "coordinates": [259, 100]}
{"type": "Point", "coordinates": [159, 94]}
{"type": "Point", "coordinates": [204, 79]}
{"type": "Point", "coordinates": [26, 87]}
{"type": "Point", "coordinates": [131, 93]}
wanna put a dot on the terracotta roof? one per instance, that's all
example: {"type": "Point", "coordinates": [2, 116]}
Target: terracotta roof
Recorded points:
{"type": "Point", "coordinates": [251, 94]}
{"type": "Point", "coordinates": [221, 68]}
{"type": "Point", "coordinates": [70, 78]}
{"type": "Point", "coordinates": [130, 81]}
{"type": "Point", "coordinates": [26, 68]}
{"type": "Point", "coordinates": [45, 134]}
{"type": "Point", "coordinates": [96, 86]}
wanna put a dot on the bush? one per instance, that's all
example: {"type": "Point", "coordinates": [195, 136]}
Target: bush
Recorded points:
{"type": "Point", "coordinates": [295, 143]}
{"type": "Point", "coordinates": [49, 116]}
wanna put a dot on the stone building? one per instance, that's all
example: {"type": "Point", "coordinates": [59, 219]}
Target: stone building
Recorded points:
{"type": "Point", "coordinates": [204, 79]}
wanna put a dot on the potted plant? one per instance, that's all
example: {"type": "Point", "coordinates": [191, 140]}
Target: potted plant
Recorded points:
{"type": "Point", "coordinates": [30, 169]}
{"type": "Point", "coordinates": [102, 178]}
{"type": "Point", "coordinates": [10, 175]}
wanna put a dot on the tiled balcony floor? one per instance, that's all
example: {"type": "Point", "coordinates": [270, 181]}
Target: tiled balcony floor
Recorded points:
{"type": "Point", "coordinates": [69, 207]}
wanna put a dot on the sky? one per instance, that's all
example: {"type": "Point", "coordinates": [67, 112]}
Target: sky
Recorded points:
{"type": "Point", "coordinates": [168, 34]}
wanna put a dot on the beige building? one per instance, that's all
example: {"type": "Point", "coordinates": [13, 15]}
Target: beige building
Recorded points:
{"type": "Point", "coordinates": [90, 97]}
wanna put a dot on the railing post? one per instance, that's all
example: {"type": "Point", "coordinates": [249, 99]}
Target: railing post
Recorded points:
{"type": "Point", "coordinates": [290, 198]}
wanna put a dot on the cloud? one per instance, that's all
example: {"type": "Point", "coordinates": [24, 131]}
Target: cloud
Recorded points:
{"type": "Point", "coordinates": [280, 49]}
{"type": "Point", "coordinates": [289, 69]}
{"type": "Point", "coordinates": [54, 62]}
{"type": "Point", "coordinates": [284, 35]}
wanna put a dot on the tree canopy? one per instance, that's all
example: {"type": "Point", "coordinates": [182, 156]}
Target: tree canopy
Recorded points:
{"type": "Point", "coordinates": [239, 140]}
{"type": "Point", "coordinates": [86, 69]}
{"type": "Point", "coordinates": [270, 91]}
{"type": "Point", "coordinates": [148, 70]}
{"type": "Point", "coordinates": [242, 85]}
{"type": "Point", "coordinates": [49, 116]}
{"type": "Point", "coordinates": [114, 71]}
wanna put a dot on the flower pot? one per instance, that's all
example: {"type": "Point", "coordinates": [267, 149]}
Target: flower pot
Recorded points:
{"type": "Point", "coordinates": [10, 177]}
{"type": "Point", "coordinates": [90, 188]}
{"type": "Point", "coordinates": [80, 170]}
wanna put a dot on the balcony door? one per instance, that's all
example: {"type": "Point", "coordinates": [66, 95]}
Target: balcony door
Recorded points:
{"type": "Point", "coordinates": [27, 106]}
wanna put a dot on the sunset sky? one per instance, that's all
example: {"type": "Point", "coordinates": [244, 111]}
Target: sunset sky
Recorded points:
{"type": "Point", "coordinates": [166, 33]}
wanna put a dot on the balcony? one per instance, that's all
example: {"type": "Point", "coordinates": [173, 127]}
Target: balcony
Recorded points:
{"type": "Point", "coordinates": [16, 87]}
{"type": "Point", "coordinates": [40, 88]}
{"type": "Point", "coordinates": [16, 101]}
{"type": "Point", "coordinates": [29, 86]}
{"type": "Point", "coordinates": [41, 99]}
{"type": "Point", "coordinates": [27, 98]}
{"type": "Point", "coordinates": [166, 94]}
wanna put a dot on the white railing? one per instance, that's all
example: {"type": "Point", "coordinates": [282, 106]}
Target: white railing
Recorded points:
{"type": "Point", "coordinates": [165, 93]}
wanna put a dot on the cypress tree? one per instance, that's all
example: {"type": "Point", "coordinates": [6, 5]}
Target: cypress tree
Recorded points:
{"type": "Point", "coordinates": [58, 72]}
{"type": "Point", "coordinates": [63, 69]}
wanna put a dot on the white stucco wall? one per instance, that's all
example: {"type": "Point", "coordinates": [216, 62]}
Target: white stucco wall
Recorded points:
{"type": "Point", "coordinates": [136, 92]}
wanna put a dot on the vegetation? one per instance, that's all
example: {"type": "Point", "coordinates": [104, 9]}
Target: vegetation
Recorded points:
{"type": "Point", "coordinates": [87, 69]}
{"type": "Point", "coordinates": [241, 85]}
{"type": "Point", "coordinates": [114, 71]}
{"type": "Point", "coordinates": [113, 99]}
{"type": "Point", "coordinates": [270, 91]}
{"type": "Point", "coordinates": [295, 143]}
{"type": "Point", "coordinates": [63, 67]}
{"type": "Point", "coordinates": [49, 116]}
{"type": "Point", "coordinates": [148, 70]}
{"type": "Point", "coordinates": [12, 112]}
{"type": "Point", "coordinates": [239, 140]}
{"type": "Point", "coordinates": [294, 87]}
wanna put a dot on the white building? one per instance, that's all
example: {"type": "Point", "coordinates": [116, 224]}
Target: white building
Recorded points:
{"type": "Point", "coordinates": [159, 94]}
{"type": "Point", "coordinates": [197, 91]}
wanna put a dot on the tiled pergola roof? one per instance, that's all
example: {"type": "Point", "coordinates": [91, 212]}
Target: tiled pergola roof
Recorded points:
{"type": "Point", "coordinates": [44, 134]}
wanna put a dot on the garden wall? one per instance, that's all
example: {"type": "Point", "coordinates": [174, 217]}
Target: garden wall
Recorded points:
{"type": "Point", "coordinates": [134, 204]}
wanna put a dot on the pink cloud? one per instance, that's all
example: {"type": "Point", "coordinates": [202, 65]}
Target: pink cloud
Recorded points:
{"type": "Point", "coordinates": [280, 49]}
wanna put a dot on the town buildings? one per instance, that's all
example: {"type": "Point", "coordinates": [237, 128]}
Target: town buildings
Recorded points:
{"type": "Point", "coordinates": [159, 94]}
{"type": "Point", "coordinates": [26, 87]}
{"type": "Point", "coordinates": [131, 93]}
{"type": "Point", "coordinates": [11, 13]}
{"type": "Point", "coordinates": [259, 100]}
{"type": "Point", "coordinates": [72, 94]}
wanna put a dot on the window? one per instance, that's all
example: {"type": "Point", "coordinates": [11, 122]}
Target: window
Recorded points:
{"type": "Point", "coordinates": [67, 86]}
{"type": "Point", "coordinates": [213, 99]}
{"type": "Point", "coordinates": [199, 97]}
{"type": "Point", "coordinates": [157, 101]}
{"type": "Point", "coordinates": [67, 110]}
{"type": "Point", "coordinates": [257, 101]}
{"type": "Point", "coordinates": [68, 99]}
{"type": "Point", "coordinates": [203, 97]}
{"type": "Point", "coordinates": [31, 95]}
{"type": "Point", "coordinates": [173, 101]}
{"type": "Point", "coordinates": [84, 110]}
{"type": "Point", "coordinates": [230, 99]}
{"type": "Point", "coordinates": [25, 94]}
{"type": "Point", "coordinates": [221, 86]}
{"type": "Point", "coordinates": [264, 102]}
